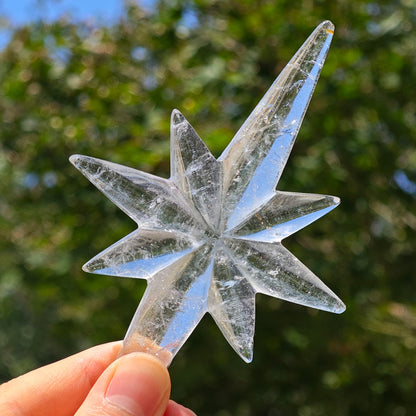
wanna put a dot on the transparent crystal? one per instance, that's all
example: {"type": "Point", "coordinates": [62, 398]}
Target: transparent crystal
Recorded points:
{"type": "Point", "coordinates": [209, 238]}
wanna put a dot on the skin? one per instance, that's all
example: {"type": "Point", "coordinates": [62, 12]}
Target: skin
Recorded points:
{"type": "Point", "coordinates": [91, 383]}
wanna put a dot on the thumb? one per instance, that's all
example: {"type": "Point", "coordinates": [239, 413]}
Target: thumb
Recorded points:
{"type": "Point", "coordinates": [137, 384]}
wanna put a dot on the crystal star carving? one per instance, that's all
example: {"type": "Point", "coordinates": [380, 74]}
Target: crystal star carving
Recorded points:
{"type": "Point", "coordinates": [209, 237]}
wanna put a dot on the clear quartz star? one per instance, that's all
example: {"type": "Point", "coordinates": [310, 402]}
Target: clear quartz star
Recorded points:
{"type": "Point", "coordinates": [209, 237]}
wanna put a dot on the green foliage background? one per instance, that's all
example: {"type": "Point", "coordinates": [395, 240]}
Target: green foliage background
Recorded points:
{"type": "Point", "coordinates": [107, 91]}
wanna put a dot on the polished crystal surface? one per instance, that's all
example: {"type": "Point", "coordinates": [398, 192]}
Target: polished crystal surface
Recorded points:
{"type": "Point", "coordinates": [209, 237]}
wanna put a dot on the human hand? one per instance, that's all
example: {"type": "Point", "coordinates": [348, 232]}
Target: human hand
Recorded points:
{"type": "Point", "coordinates": [92, 383]}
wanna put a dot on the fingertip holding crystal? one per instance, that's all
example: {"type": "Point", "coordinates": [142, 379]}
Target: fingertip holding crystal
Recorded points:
{"type": "Point", "coordinates": [209, 237]}
{"type": "Point", "coordinates": [138, 343]}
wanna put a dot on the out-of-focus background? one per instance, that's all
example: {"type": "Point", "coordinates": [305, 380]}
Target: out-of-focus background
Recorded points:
{"type": "Point", "coordinates": [101, 79]}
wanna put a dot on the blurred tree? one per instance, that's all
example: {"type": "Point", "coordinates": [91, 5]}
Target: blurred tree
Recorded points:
{"type": "Point", "coordinates": [108, 92]}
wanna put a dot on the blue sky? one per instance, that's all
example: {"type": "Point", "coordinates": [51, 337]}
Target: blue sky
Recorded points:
{"type": "Point", "coordinates": [24, 11]}
{"type": "Point", "coordinates": [19, 12]}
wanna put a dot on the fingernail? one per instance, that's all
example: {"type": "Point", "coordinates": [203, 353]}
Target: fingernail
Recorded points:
{"type": "Point", "coordinates": [179, 410]}
{"type": "Point", "coordinates": [186, 412]}
{"type": "Point", "coordinates": [140, 385]}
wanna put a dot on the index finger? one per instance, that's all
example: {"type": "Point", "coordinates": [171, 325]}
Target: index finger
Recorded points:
{"type": "Point", "coordinates": [57, 389]}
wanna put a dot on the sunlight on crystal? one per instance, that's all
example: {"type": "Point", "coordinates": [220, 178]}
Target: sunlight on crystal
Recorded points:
{"type": "Point", "coordinates": [209, 238]}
